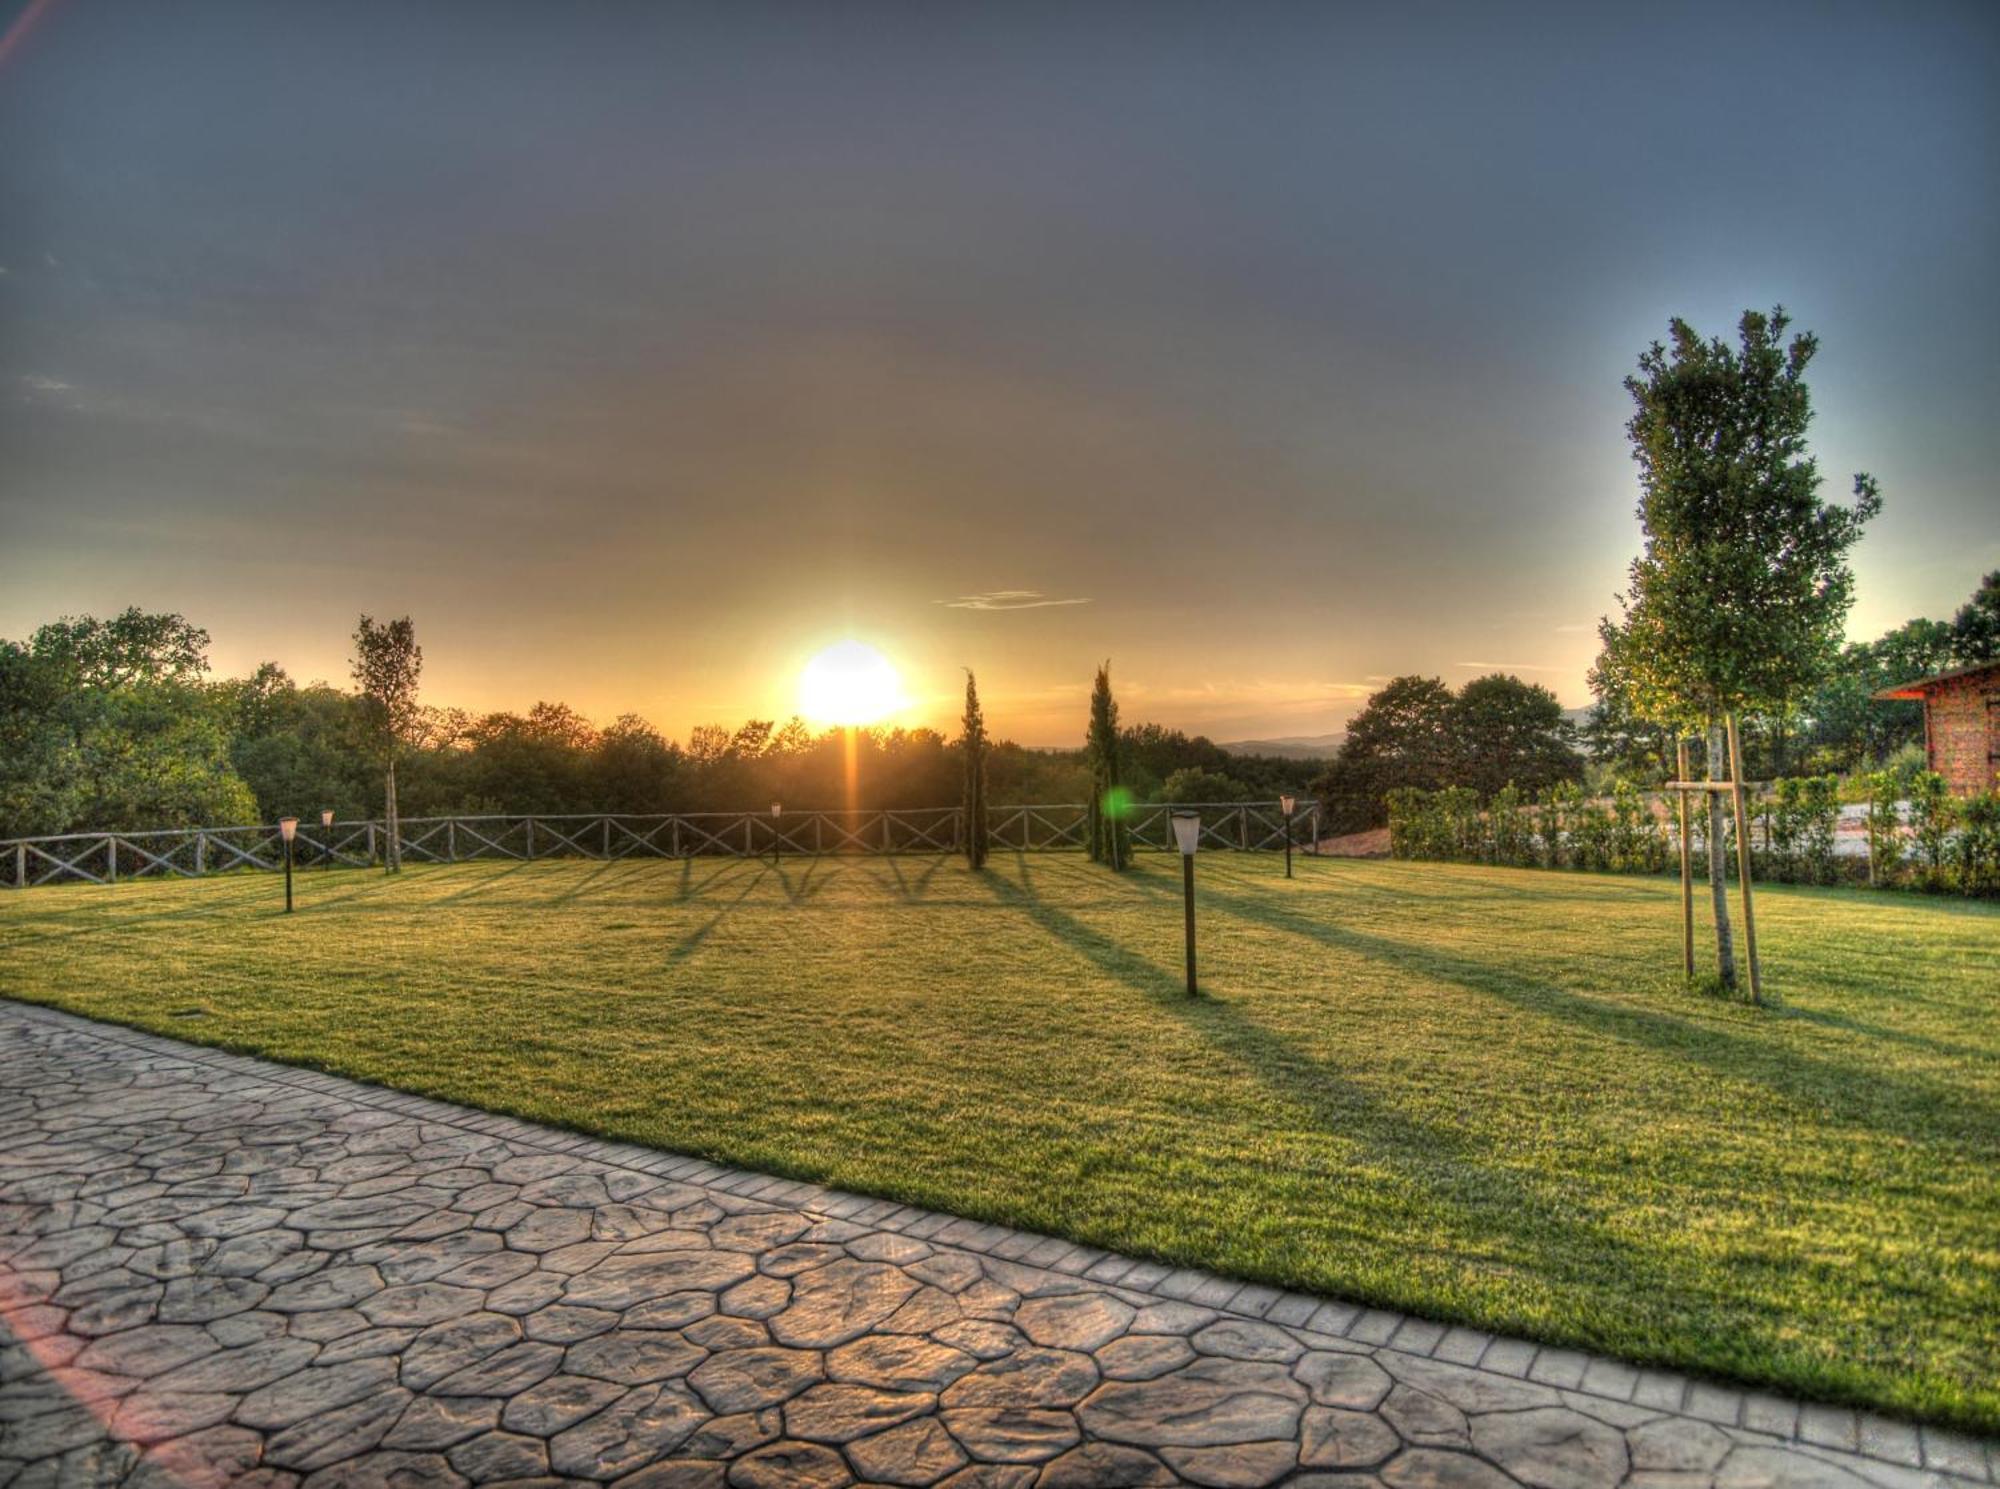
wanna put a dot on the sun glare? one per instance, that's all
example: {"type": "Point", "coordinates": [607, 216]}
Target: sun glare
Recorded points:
{"type": "Point", "coordinates": [849, 683]}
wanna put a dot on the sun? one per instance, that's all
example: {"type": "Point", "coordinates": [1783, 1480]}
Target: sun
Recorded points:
{"type": "Point", "coordinates": [849, 683]}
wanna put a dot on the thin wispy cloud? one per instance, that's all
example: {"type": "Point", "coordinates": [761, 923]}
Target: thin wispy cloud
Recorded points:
{"type": "Point", "coordinates": [1508, 667]}
{"type": "Point", "coordinates": [1008, 599]}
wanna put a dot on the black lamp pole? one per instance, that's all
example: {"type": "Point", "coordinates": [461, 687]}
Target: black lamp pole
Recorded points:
{"type": "Point", "coordinates": [1187, 897]}
{"type": "Point", "coordinates": [1187, 837]}
{"type": "Point", "coordinates": [326, 845]}
{"type": "Point", "coordinates": [287, 829]}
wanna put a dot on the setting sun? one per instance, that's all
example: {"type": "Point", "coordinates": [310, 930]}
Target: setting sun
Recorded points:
{"type": "Point", "coordinates": [849, 683]}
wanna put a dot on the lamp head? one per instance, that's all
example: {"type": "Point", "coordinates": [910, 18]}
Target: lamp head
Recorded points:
{"type": "Point", "coordinates": [1187, 832]}
{"type": "Point", "coordinates": [777, 807]}
{"type": "Point", "coordinates": [1288, 803]}
{"type": "Point", "coordinates": [288, 828]}
{"type": "Point", "coordinates": [326, 818]}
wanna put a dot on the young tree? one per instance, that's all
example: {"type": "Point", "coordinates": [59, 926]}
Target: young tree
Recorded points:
{"type": "Point", "coordinates": [1107, 805]}
{"type": "Point", "coordinates": [1737, 601]}
{"type": "Point", "coordinates": [974, 743]}
{"type": "Point", "coordinates": [387, 661]}
{"type": "Point", "coordinates": [1975, 630]}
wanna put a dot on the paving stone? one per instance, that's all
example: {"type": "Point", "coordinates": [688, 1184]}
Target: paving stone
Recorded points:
{"type": "Point", "coordinates": [981, 1338]}
{"type": "Point", "coordinates": [1205, 1404]}
{"type": "Point", "coordinates": [329, 1435]}
{"type": "Point", "coordinates": [1027, 1377]}
{"type": "Point", "coordinates": [645, 1423]}
{"type": "Point", "coordinates": [1238, 1466]}
{"type": "Point", "coordinates": [1426, 1420]}
{"type": "Point", "coordinates": [1353, 1382]}
{"type": "Point", "coordinates": [1431, 1468]}
{"type": "Point", "coordinates": [1104, 1465]}
{"type": "Point", "coordinates": [837, 1413]}
{"type": "Point", "coordinates": [443, 1348]}
{"type": "Point", "coordinates": [1243, 1339]}
{"type": "Point", "coordinates": [721, 1332]}
{"type": "Point", "coordinates": [495, 1456]}
{"type": "Point", "coordinates": [1678, 1446]}
{"type": "Point", "coordinates": [1081, 1321]}
{"type": "Point", "coordinates": [504, 1372]}
{"type": "Point", "coordinates": [315, 1389]}
{"type": "Point", "coordinates": [899, 1363]}
{"type": "Point", "coordinates": [420, 1303]}
{"type": "Point", "coordinates": [733, 1434]}
{"type": "Point", "coordinates": [916, 1453]}
{"type": "Point", "coordinates": [1467, 1389]}
{"type": "Point", "coordinates": [1332, 1438]}
{"type": "Point", "coordinates": [839, 1302]}
{"type": "Point", "coordinates": [622, 1280]}
{"type": "Point", "coordinates": [790, 1465]}
{"type": "Point", "coordinates": [1143, 1356]}
{"type": "Point", "coordinates": [434, 1423]}
{"type": "Point", "coordinates": [633, 1356]}
{"type": "Point", "coordinates": [560, 1401]}
{"type": "Point", "coordinates": [1552, 1448]}
{"type": "Point", "coordinates": [1012, 1434]}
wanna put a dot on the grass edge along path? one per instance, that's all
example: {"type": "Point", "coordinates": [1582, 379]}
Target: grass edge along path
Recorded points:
{"type": "Point", "coordinates": [1474, 1095]}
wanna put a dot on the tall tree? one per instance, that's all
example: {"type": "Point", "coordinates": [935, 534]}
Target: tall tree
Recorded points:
{"type": "Point", "coordinates": [1508, 732]}
{"type": "Point", "coordinates": [1737, 600]}
{"type": "Point", "coordinates": [1107, 802]}
{"type": "Point", "coordinates": [1401, 737]}
{"type": "Point", "coordinates": [387, 661]}
{"type": "Point", "coordinates": [974, 743]}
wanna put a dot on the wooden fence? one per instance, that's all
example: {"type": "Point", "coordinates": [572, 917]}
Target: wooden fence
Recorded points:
{"type": "Point", "coordinates": [193, 852]}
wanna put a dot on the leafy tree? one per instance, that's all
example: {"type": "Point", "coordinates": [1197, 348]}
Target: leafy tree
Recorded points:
{"type": "Point", "coordinates": [1505, 731]}
{"type": "Point", "coordinates": [1107, 797]}
{"type": "Point", "coordinates": [1736, 603]}
{"type": "Point", "coordinates": [973, 745]}
{"type": "Point", "coordinates": [387, 662]}
{"type": "Point", "coordinates": [1193, 784]}
{"type": "Point", "coordinates": [1975, 630]}
{"type": "Point", "coordinates": [1401, 739]}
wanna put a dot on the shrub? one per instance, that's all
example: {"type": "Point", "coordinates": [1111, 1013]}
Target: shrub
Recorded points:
{"type": "Point", "coordinates": [1885, 824]}
{"type": "Point", "coordinates": [1975, 852]}
{"type": "Point", "coordinates": [1931, 814]}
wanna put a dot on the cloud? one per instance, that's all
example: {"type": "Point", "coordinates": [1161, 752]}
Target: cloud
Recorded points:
{"type": "Point", "coordinates": [47, 384]}
{"type": "Point", "coordinates": [1509, 667]}
{"type": "Point", "coordinates": [1007, 599]}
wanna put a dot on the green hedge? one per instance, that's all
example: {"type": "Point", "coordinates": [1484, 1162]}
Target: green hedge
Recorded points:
{"type": "Point", "coordinates": [1945, 844]}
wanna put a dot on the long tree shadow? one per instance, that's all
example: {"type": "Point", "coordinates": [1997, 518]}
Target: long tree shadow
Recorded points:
{"type": "Point", "coordinates": [690, 943]}
{"type": "Point", "coordinates": [1878, 1097]}
{"type": "Point", "coordinates": [1532, 1222]}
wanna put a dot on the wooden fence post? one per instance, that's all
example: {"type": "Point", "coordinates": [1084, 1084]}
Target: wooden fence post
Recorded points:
{"type": "Point", "coordinates": [677, 837]}
{"type": "Point", "coordinates": [111, 858]}
{"type": "Point", "coordinates": [20, 865]}
{"type": "Point", "coordinates": [819, 821]}
{"type": "Point", "coordinates": [451, 839]}
{"type": "Point", "coordinates": [371, 842]}
{"type": "Point", "coordinates": [1743, 859]}
{"type": "Point", "coordinates": [200, 853]}
{"type": "Point", "coordinates": [888, 843]}
{"type": "Point", "coordinates": [531, 839]}
{"type": "Point", "coordinates": [1243, 829]}
{"type": "Point", "coordinates": [607, 838]}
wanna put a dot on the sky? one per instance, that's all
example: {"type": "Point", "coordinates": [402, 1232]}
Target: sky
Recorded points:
{"type": "Point", "coordinates": [639, 352]}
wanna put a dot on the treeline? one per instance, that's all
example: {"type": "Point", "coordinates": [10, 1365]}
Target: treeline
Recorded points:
{"type": "Point", "coordinates": [117, 724]}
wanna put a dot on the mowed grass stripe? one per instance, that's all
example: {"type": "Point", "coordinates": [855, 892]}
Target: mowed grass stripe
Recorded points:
{"type": "Point", "coordinates": [1476, 1094]}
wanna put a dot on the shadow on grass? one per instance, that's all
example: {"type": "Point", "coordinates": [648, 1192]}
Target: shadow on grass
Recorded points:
{"type": "Point", "coordinates": [691, 943]}
{"type": "Point", "coordinates": [1539, 1224]}
{"type": "Point", "coordinates": [1883, 1099]}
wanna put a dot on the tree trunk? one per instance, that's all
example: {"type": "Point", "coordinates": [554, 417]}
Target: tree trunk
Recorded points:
{"type": "Point", "coordinates": [1718, 859]}
{"type": "Point", "coordinates": [392, 858]}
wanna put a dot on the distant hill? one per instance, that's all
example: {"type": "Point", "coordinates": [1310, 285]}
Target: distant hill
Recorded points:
{"type": "Point", "coordinates": [1292, 747]}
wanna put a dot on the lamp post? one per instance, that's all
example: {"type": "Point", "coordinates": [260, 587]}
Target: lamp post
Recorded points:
{"type": "Point", "coordinates": [326, 839]}
{"type": "Point", "coordinates": [1187, 837]}
{"type": "Point", "coordinates": [777, 809]}
{"type": "Point", "coordinates": [1288, 804]}
{"type": "Point", "coordinates": [288, 828]}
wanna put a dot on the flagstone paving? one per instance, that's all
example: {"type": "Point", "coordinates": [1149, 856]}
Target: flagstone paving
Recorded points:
{"type": "Point", "coordinates": [215, 1270]}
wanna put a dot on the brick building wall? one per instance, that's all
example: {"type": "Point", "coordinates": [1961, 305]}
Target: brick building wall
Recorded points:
{"type": "Point", "coordinates": [1961, 716]}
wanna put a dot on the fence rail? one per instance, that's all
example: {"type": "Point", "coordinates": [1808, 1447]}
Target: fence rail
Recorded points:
{"type": "Point", "coordinates": [195, 852]}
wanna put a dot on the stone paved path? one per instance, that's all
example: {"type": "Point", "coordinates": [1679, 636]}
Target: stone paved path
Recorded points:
{"type": "Point", "coordinates": [217, 1270]}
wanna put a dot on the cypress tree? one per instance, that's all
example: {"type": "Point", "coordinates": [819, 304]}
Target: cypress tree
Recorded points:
{"type": "Point", "coordinates": [974, 744]}
{"type": "Point", "coordinates": [1107, 826]}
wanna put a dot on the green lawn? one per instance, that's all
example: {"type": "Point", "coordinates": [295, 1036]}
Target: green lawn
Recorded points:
{"type": "Point", "coordinates": [1477, 1094]}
